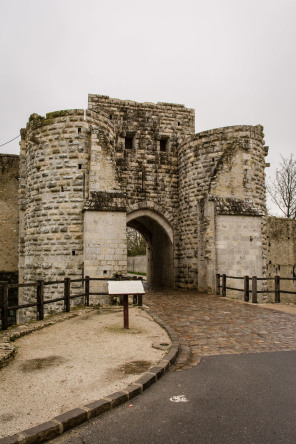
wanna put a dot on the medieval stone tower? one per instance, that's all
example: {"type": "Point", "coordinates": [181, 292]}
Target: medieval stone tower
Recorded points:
{"type": "Point", "coordinates": [198, 199]}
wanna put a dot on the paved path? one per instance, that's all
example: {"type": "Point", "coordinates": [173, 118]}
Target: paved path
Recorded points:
{"type": "Point", "coordinates": [210, 325]}
{"type": "Point", "coordinates": [230, 399]}
{"type": "Point", "coordinates": [244, 395]}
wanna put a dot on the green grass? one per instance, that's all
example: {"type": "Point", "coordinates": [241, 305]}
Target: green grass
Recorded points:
{"type": "Point", "coordinates": [137, 273]}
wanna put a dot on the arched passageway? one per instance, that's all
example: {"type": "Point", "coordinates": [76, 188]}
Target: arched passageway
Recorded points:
{"type": "Point", "coordinates": [158, 235]}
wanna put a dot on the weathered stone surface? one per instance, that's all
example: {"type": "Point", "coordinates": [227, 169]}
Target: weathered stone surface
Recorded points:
{"type": "Point", "coordinates": [9, 174]}
{"type": "Point", "coordinates": [281, 254]}
{"type": "Point", "coordinates": [85, 175]}
{"type": "Point", "coordinates": [71, 419]}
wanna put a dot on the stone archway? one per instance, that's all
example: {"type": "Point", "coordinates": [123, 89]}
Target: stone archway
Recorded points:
{"type": "Point", "coordinates": [158, 234]}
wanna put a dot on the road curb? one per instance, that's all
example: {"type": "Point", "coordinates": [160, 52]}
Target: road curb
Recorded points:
{"type": "Point", "coordinates": [68, 420]}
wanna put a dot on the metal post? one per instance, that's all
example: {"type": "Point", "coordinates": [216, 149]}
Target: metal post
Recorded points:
{"type": "Point", "coordinates": [67, 294]}
{"type": "Point", "coordinates": [125, 311]}
{"type": "Point", "coordinates": [254, 289]}
{"type": "Point", "coordinates": [277, 290]}
{"type": "Point", "coordinates": [86, 290]}
{"type": "Point", "coordinates": [246, 288]}
{"type": "Point", "coordinates": [223, 285]}
{"type": "Point", "coordinates": [218, 284]}
{"type": "Point", "coordinates": [4, 305]}
{"type": "Point", "coordinates": [40, 299]}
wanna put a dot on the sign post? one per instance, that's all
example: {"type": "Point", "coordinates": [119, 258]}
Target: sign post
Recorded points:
{"type": "Point", "coordinates": [125, 311]}
{"type": "Point", "coordinates": [125, 288]}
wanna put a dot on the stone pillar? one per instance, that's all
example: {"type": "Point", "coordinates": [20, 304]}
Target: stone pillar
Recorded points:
{"type": "Point", "coordinates": [206, 242]}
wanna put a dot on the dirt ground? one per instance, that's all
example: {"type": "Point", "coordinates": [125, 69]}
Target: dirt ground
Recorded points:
{"type": "Point", "coordinates": [75, 362]}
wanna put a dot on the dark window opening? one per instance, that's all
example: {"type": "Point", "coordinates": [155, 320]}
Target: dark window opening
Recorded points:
{"type": "Point", "coordinates": [79, 129]}
{"type": "Point", "coordinates": [62, 188]}
{"type": "Point", "coordinates": [163, 146]}
{"type": "Point", "coordinates": [111, 117]}
{"type": "Point", "coordinates": [79, 166]}
{"type": "Point", "coordinates": [73, 252]}
{"type": "Point", "coordinates": [179, 123]}
{"type": "Point", "coordinates": [128, 142]}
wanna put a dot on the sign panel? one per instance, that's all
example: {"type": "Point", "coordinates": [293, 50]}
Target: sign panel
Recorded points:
{"type": "Point", "coordinates": [125, 287]}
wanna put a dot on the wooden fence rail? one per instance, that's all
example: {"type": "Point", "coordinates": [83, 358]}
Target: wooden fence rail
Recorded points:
{"type": "Point", "coordinates": [40, 301]}
{"type": "Point", "coordinates": [222, 288]}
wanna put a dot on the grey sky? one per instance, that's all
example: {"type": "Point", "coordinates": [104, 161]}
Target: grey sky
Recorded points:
{"type": "Point", "coordinates": [233, 61]}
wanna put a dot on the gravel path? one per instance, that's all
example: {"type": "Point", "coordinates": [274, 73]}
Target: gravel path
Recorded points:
{"type": "Point", "coordinates": [75, 362]}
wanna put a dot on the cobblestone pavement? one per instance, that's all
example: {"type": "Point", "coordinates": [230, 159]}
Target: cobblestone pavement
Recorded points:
{"type": "Point", "coordinates": [210, 325]}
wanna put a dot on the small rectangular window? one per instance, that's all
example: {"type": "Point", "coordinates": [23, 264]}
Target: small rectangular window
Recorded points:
{"type": "Point", "coordinates": [128, 142]}
{"type": "Point", "coordinates": [164, 144]}
{"type": "Point", "coordinates": [79, 129]}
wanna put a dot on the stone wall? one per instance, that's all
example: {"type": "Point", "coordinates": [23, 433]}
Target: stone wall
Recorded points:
{"type": "Point", "coordinates": [9, 175]}
{"type": "Point", "coordinates": [146, 143]}
{"type": "Point", "coordinates": [147, 138]}
{"type": "Point", "coordinates": [137, 264]}
{"type": "Point", "coordinates": [54, 160]}
{"type": "Point", "coordinates": [221, 173]}
{"type": "Point", "coordinates": [281, 254]}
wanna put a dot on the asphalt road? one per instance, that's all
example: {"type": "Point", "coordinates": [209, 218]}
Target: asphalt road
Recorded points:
{"type": "Point", "coordinates": [245, 398]}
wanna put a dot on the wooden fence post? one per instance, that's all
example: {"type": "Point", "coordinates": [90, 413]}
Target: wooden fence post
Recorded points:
{"type": "Point", "coordinates": [223, 284]}
{"type": "Point", "coordinates": [277, 289]}
{"type": "Point", "coordinates": [86, 290]}
{"type": "Point", "coordinates": [254, 289]}
{"type": "Point", "coordinates": [218, 284]}
{"type": "Point", "coordinates": [246, 288]}
{"type": "Point", "coordinates": [67, 294]}
{"type": "Point", "coordinates": [40, 299]}
{"type": "Point", "coordinates": [4, 305]}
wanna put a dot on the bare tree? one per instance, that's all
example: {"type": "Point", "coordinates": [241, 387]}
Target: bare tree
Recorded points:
{"type": "Point", "coordinates": [136, 245]}
{"type": "Point", "coordinates": [283, 188]}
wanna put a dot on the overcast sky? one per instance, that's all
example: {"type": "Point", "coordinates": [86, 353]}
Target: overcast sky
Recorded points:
{"type": "Point", "coordinates": [233, 61]}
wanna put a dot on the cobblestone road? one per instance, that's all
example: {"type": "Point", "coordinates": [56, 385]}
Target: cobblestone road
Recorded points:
{"type": "Point", "coordinates": [209, 325]}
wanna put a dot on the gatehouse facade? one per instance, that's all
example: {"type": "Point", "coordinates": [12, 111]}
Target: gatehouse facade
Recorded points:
{"type": "Point", "coordinates": [83, 176]}
{"type": "Point", "coordinates": [198, 199]}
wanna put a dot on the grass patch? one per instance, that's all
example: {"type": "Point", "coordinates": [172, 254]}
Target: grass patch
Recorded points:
{"type": "Point", "coordinates": [131, 331]}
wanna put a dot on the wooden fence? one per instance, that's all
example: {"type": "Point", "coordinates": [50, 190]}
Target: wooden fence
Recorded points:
{"type": "Point", "coordinates": [41, 301]}
{"type": "Point", "coordinates": [254, 286]}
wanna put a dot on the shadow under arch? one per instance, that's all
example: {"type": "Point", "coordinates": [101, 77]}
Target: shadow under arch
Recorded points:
{"type": "Point", "coordinates": [159, 237]}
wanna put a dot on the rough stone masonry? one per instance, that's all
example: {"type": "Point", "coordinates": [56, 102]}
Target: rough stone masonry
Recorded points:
{"type": "Point", "coordinates": [198, 199]}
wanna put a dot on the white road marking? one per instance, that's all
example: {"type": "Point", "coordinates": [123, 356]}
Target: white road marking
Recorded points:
{"type": "Point", "coordinates": [179, 398]}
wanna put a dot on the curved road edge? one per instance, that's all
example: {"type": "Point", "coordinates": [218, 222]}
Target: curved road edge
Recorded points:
{"type": "Point", "coordinates": [68, 420]}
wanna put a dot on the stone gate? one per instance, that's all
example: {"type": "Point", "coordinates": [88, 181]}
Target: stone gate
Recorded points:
{"type": "Point", "coordinates": [198, 199]}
